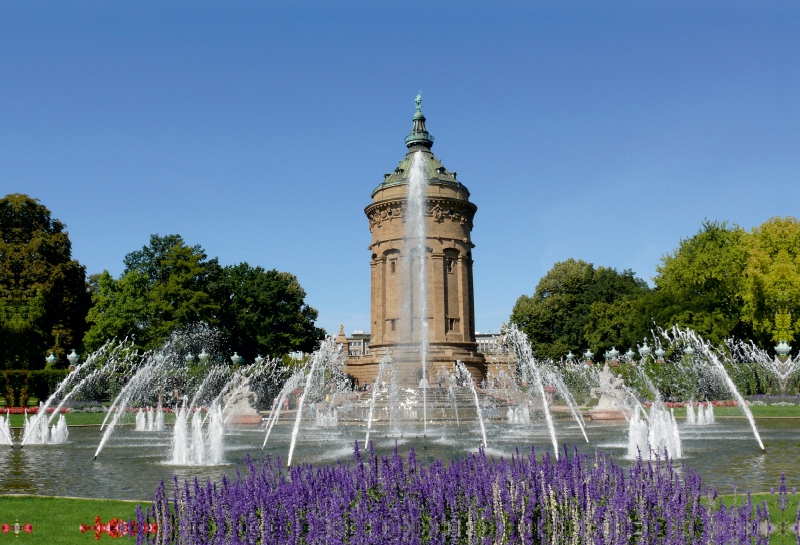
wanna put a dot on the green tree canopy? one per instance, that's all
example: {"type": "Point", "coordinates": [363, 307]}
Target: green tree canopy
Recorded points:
{"type": "Point", "coordinates": [43, 291]}
{"type": "Point", "coordinates": [165, 285]}
{"type": "Point", "coordinates": [555, 317]}
{"type": "Point", "coordinates": [771, 283]}
{"type": "Point", "coordinates": [722, 282]}
{"type": "Point", "coordinates": [699, 285]}
{"type": "Point", "coordinates": [169, 284]}
{"type": "Point", "coordinates": [264, 312]}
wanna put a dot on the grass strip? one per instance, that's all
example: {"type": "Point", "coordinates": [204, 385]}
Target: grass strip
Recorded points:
{"type": "Point", "coordinates": [86, 419]}
{"type": "Point", "coordinates": [765, 411]}
{"type": "Point", "coordinates": [56, 520]}
{"type": "Point", "coordinates": [775, 513]}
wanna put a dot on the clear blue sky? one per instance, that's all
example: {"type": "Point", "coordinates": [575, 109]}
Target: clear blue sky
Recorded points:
{"type": "Point", "coordinates": [604, 131]}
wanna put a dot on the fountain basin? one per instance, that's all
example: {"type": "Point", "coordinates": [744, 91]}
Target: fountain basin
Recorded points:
{"type": "Point", "coordinates": [609, 414]}
{"type": "Point", "coordinates": [243, 419]}
{"type": "Point", "coordinates": [134, 463]}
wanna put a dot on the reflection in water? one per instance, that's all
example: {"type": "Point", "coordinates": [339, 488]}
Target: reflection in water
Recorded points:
{"type": "Point", "coordinates": [134, 463]}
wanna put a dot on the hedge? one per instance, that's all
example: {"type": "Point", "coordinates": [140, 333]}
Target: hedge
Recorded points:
{"type": "Point", "coordinates": [19, 385]}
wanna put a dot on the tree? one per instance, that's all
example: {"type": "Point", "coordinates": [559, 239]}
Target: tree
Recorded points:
{"type": "Point", "coordinates": [556, 316]}
{"type": "Point", "coordinates": [169, 284]}
{"type": "Point", "coordinates": [699, 285]}
{"type": "Point", "coordinates": [264, 312]}
{"type": "Point", "coordinates": [120, 309]}
{"type": "Point", "coordinates": [771, 283]}
{"type": "Point", "coordinates": [43, 291]}
{"type": "Point", "coordinates": [610, 325]}
{"type": "Point", "coordinates": [165, 285]}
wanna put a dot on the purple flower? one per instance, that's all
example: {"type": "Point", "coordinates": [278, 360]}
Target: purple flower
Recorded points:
{"type": "Point", "coordinates": [385, 500]}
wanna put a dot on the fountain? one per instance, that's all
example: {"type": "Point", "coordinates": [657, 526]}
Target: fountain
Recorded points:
{"type": "Point", "coordinates": [150, 419]}
{"type": "Point", "coordinates": [532, 372]}
{"type": "Point", "coordinates": [322, 397]}
{"type": "Point", "coordinates": [324, 365]}
{"type": "Point", "coordinates": [704, 364]}
{"type": "Point", "coordinates": [416, 293]}
{"type": "Point", "coordinates": [169, 367]}
{"type": "Point", "coordinates": [114, 357]}
{"type": "Point", "coordinates": [385, 368]}
{"type": "Point", "coordinates": [319, 398]}
{"type": "Point", "coordinates": [452, 400]}
{"type": "Point", "coordinates": [654, 434]}
{"type": "Point", "coordinates": [59, 433]}
{"type": "Point", "coordinates": [463, 374]}
{"type": "Point", "coordinates": [191, 445]}
{"type": "Point", "coordinates": [281, 402]}
{"type": "Point", "coordinates": [420, 218]}
{"type": "Point", "coordinates": [782, 366]}
{"type": "Point", "coordinates": [141, 422]}
{"type": "Point", "coordinates": [142, 380]}
{"type": "Point", "coordinates": [239, 405]}
{"type": "Point", "coordinates": [36, 431]}
{"type": "Point", "coordinates": [5, 430]}
{"type": "Point", "coordinates": [704, 415]}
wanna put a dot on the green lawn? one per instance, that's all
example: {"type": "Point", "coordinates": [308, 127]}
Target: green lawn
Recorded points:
{"type": "Point", "coordinates": [758, 411]}
{"type": "Point", "coordinates": [77, 419]}
{"type": "Point", "coordinates": [56, 520]}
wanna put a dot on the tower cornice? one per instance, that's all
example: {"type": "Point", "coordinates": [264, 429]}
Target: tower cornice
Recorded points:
{"type": "Point", "coordinates": [441, 209]}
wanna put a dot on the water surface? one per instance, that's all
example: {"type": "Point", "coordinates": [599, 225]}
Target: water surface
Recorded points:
{"type": "Point", "coordinates": [133, 463]}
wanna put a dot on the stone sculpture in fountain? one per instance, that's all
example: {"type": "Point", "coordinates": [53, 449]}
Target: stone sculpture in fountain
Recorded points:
{"type": "Point", "coordinates": [612, 403]}
{"type": "Point", "coordinates": [240, 406]}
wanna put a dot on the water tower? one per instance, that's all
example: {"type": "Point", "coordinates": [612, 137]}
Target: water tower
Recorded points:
{"type": "Point", "coordinates": [450, 298]}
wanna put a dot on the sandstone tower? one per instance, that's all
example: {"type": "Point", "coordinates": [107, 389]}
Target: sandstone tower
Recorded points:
{"type": "Point", "coordinates": [450, 298]}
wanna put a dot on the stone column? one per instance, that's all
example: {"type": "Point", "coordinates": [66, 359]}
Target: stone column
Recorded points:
{"type": "Point", "coordinates": [436, 299]}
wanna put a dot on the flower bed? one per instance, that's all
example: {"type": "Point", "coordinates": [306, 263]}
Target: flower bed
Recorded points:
{"type": "Point", "coordinates": [681, 404]}
{"type": "Point", "coordinates": [32, 410]}
{"type": "Point", "coordinates": [578, 499]}
{"type": "Point", "coordinates": [154, 409]}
